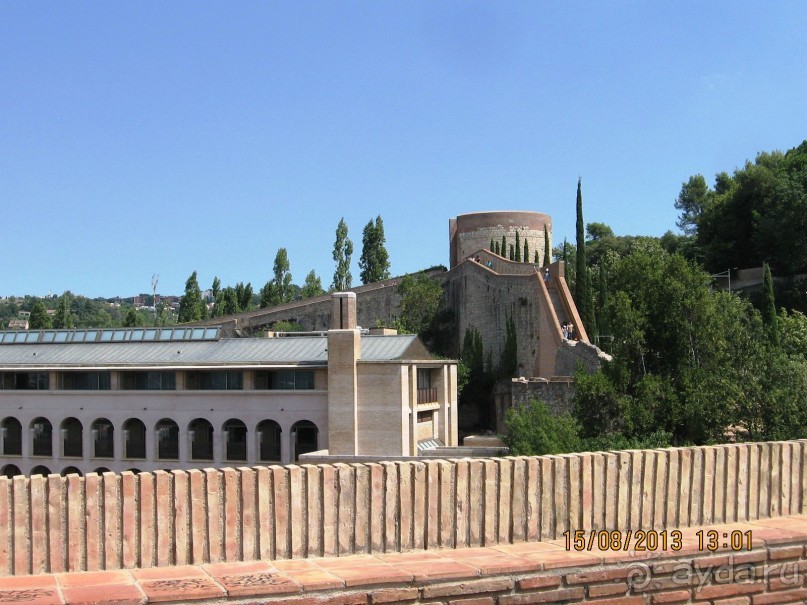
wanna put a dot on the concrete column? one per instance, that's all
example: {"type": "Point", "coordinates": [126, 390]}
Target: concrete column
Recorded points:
{"type": "Point", "coordinates": [413, 410]}
{"type": "Point", "coordinates": [184, 445]}
{"type": "Point", "coordinates": [344, 350]}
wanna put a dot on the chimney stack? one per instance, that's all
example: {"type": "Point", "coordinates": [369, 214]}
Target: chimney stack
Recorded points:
{"type": "Point", "coordinates": [343, 311]}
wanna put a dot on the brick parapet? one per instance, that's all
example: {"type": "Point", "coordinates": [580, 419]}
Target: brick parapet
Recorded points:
{"type": "Point", "coordinates": [772, 569]}
{"type": "Point", "coordinates": [55, 524]}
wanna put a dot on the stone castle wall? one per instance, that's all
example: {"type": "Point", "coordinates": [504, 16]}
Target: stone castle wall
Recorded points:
{"type": "Point", "coordinates": [469, 233]}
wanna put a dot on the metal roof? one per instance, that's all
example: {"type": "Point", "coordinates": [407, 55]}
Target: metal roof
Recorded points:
{"type": "Point", "coordinates": [234, 352]}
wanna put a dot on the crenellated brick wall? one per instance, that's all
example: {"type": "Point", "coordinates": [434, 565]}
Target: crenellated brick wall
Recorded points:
{"type": "Point", "coordinates": [54, 524]}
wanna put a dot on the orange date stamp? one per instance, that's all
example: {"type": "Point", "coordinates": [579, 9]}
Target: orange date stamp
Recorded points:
{"type": "Point", "coordinates": [652, 540]}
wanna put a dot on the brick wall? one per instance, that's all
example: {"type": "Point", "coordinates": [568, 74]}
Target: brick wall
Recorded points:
{"type": "Point", "coordinates": [53, 524]}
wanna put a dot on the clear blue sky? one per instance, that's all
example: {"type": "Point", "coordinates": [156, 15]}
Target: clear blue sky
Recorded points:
{"type": "Point", "coordinates": [167, 137]}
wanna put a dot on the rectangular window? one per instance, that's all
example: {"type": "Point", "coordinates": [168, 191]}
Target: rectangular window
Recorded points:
{"type": "Point", "coordinates": [148, 381]}
{"type": "Point", "coordinates": [85, 381]}
{"type": "Point", "coordinates": [217, 380]}
{"type": "Point", "coordinates": [285, 380]}
{"type": "Point", "coordinates": [25, 381]}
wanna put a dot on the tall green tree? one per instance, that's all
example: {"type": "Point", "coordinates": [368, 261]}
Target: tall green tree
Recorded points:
{"type": "Point", "coordinates": [342, 253]}
{"type": "Point", "coordinates": [243, 295]}
{"type": "Point", "coordinates": [547, 253]}
{"type": "Point", "coordinates": [504, 246]}
{"type": "Point", "coordinates": [282, 280]}
{"type": "Point", "coordinates": [518, 248]}
{"type": "Point", "coordinates": [39, 318]}
{"type": "Point", "coordinates": [374, 261]}
{"type": "Point", "coordinates": [582, 295]}
{"type": "Point", "coordinates": [420, 301]}
{"type": "Point", "coordinates": [133, 318]}
{"type": "Point", "coordinates": [191, 306]}
{"type": "Point", "coordinates": [769, 317]}
{"type": "Point", "coordinates": [526, 251]}
{"type": "Point", "coordinates": [312, 286]}
{"type": "Point", "coordinates": [64, 316]}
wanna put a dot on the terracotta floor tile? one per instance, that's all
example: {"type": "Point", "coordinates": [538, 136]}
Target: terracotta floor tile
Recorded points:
{"type": "Point", "coordinates": [102, 594]}
{"type": "Point", "coordinates": [238, 567]}
{"type": "Point", "coordinates": [349, 561]}
{"type": "Point", "coordinates": [93, 578]}
{"type": "Point", "coordinates": [438, 570]}
{"type": "Point", "coordinates": [169, 583]}
{"type": "Point", "coordinates": [31, 590]}
{"type": "Point", "coordinates": [365, 573]}
{"type": "Point", "coordinates": [501, 563]}
{"type": "Point", "coordinates": [258, 584]}
{"type": "Point", "coordinates": [395, 558]}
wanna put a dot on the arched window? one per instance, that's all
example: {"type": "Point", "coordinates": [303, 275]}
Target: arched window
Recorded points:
{"type": "Point", "coordinates": [167, 438]}
{"type": "Point", "coordinates": [103, 441]}
{"type": "Point", "coordinates": [11, 433]}
{"type": "Point", "coordinates": [134, 438]}
{"type": "Point", "coordinates": [304, 437]}
{"type": "Point", "coordinates": [235, 440]}
{"type": "Point", "coordinates": [11, 470]}
{"type": "Point", "coordinates": [42, 438]}
{"type": "Point", "coordinates": [101, 470]}
{"type": "Point", "coordinates": [40, 470]}
{"type": "Point", "coordinates": [200, 433]}
{"type": "Point", "coordinates": [72, 438]}
{"type": "Point", "coordinates": [71, 470]}
{"type": "Point", "coordinates": [268, 441]}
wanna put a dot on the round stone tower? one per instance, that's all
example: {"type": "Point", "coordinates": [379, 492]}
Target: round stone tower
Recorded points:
{"type": "Point", "coordinates": [470, 233]}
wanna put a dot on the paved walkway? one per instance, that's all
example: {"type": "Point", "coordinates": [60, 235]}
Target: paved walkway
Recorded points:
{"type": "Point", "coordinates": [394, 577]}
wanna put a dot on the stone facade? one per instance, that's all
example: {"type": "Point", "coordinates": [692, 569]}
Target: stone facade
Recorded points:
{"type": "Point", "coordinates": [470, 233]}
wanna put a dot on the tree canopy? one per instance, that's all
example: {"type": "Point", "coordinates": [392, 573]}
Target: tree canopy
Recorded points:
{"type": "Point", "coordinates": [342, 253]}
{"type": "Point", "coordinates": [191, 306]}
{"type": "Point", "coordinates": [374, 261]}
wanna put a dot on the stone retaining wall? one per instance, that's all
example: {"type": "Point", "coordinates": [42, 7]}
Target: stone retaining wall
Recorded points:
{"type": "Point", "coordinates": [54, 524]}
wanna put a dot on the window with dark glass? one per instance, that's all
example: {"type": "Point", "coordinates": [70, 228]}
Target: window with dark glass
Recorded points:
{"type": "Point", "coordinates": [85, 381]}
{"type": "Point", "coordinates": [217, 380]}
{"type": "Point", "coordinates": [285, 379]}
{"type": "Point", "coordinates": [426, 392]}
{"type": "Point", "coordinates": [25, 381]}
{"type": "Point", "coordinates": [149, 381]}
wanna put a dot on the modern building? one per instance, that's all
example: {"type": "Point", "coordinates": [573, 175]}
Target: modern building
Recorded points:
{"type": "Point", "coordinates": [185, 397]}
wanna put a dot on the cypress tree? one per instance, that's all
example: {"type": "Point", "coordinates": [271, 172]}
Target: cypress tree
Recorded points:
{"type": "Point", "coordinates": [518, 248]}
{"type": "Point", "coordinates": [504, 246]}
{"type": "Point", "coordinates": [497, 251]}
{"type": "Point", "coordinates": [535, 258]}
{"type": "Point", "coordinates": [512, 252]}
{"type": "Point", "coordinates": [491, 244]}
{"type": "Point", "coordinates": [526, 252]}
{"type": "Point", "coordinates": [581, 274]}
{"type": "Point", "coordinates": [769, 318]}
{"type": "Point", "coordinates": [547, 250]}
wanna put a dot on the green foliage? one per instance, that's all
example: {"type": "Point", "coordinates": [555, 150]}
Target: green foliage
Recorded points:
{"type": "Point", "coordinates": [191, 307]}
{"type": "Point", "coordinates": [508, 362]}
{"type": "Point", "coordinates": [526, 256]}
{"type": "Point", "coordinates": [282, 280]}
{"type": "Point", "coordinates": [287, 326]}
{"type": "Point", "coordinates": [374, 261]}
{"type": "Point", "coordinates": [497, 250]}
{"type": "Point", "coordinates": [532, 430]}
{"type": "Point", "coordinates": [243, 296]}
{"type": "Point", "coordinates": [598, 231]}
{"type": "Point", "coordinates": [64, 317]}
{"type": "Point", "coordinates": [769, 318]}
{"type": "Point", "coordinates": [547, 255]}
{"type": "Point", "coordinates": [39, 319]}
{"type": "Point", "coordinates": [492, 245]}
{"type": "Point", "coordinates": [133, 318]}
{"type": "Point", "coordinates": [512, 252]}
{"type": "Point", "coordinates": [757, 214]}
{"type": "Point", "coordinates": [518, 248]}
{"type": "Point", "coordinates": [420, 301]}
{"type": "Point", "coordinates": [503, 247]}
{"type": "Point", "coordinates": [582, 294]}
{"type": "Point", "coordinates": [342, 253]}
{"type": "Point", "coordinates": [690, 363]}
{"type": "Point", "coordinates": [312, 286]}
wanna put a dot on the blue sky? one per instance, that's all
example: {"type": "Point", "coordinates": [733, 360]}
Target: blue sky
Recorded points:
{"type": "Point", "coordinates": [166, 137]}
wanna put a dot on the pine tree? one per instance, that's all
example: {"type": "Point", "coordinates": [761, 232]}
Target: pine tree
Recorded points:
{"type": "Point", "coordinates": [769, 318]}
{"type": "Point", "coordinates": [547, 248]}
{"type": "Point", "coordinates": [39, 318]}
{"type": "Point", "coordinates": [312, 286]}
{"type": "Point", "coordinates": [374, 262]}
{"type": "Point", "coordinates": [518, 248]}
{"type": "Point", "coordinates": [63, 317]}
{"type": "Point", "coordinates": [191, 307]}
{"type": "Point", "coordinates": [342, 252]}
{"type": "Point", "coordinates": [581, 291]}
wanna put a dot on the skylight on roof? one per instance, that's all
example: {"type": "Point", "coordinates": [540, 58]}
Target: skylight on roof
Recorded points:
{"type": "Point", "coordinates": [111, 335]}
